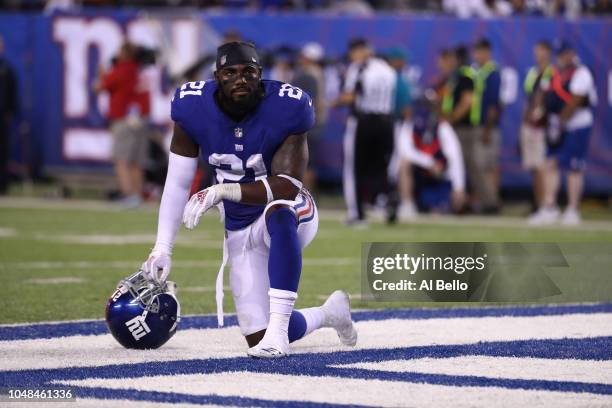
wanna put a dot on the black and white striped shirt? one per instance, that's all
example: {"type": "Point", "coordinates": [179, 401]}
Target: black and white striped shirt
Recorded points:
{"type": "Point", "coordinates": [373, 83]}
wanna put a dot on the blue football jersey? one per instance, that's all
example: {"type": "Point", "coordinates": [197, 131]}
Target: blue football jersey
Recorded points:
{"type": "Point", "coordinates": [241, 152]}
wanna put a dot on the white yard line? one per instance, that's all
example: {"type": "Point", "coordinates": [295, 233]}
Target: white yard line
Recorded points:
{"type": "Point", "coordinates": [135, 264]}
{"type": "Point", "coordinates": [58, 280]}
{"type": "Point", "coordinates": [324, 214]}
{"type": "Point", "coordinates": [347, 391]}
{"type": "Point", "coordinates": [111, 403]}
{"type": "Point", "coordinates": [599, 372]}
{"type": "Point", "coordinates": [65, 204]}
{"type": "Point", "coordinates": [123, 239]}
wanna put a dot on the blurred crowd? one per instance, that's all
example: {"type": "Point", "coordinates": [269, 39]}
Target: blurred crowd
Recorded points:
{"type": "Point", "coordinates": [409, 147]}
{"type": "Point", "coordinates": [460, 8]}
{"type": "Point", "coordinates": [413, 147]}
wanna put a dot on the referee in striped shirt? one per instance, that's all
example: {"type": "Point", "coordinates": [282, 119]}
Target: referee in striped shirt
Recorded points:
{"type": "Point", "coordinates": [369, 89]}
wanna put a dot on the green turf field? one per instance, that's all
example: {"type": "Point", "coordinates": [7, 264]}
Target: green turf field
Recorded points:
{"type": "Point", "coordinates": [61, 262]}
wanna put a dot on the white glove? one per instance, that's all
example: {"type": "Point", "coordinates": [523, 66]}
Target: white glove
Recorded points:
{"type": "Point", "coordinates": [198, 204]}
{"type": "Point", "coordinates": [204, 200]}
{"type": "Point", "coordinates": [157, 266]}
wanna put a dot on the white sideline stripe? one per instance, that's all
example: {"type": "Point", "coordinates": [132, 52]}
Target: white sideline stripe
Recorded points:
{"type": "Point", "coordinates": [324, 214]}
{"type": "Point", "coordinates": [227, 342]}
{"type": "Point", "coordinates": [55, 281]}
{"type": "Point", "coordinates": [500, 367]}
{"type": "Point", "coordinates": [7, 232]}
{"type": "Point", "coordinates": [347, 391]}
{"type": "Point", "coordinates": [472, 220]}
{"type": "Point", "coordinates": [135, 264]}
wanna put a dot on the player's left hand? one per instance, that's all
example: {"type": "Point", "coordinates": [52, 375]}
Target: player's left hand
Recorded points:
{"type": "Point", "coordinates": [199, 204]}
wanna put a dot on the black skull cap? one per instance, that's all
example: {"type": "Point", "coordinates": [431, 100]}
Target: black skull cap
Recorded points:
{"type": "Point", "coordinates": [237, 52]}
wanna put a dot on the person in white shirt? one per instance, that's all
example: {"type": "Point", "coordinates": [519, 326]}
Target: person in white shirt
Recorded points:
{"type": "Point", "coordinates": [533, 127]}
{"type": "Point", "coordinates": [568, 101]}
{"type": "Point", "coordinates": [432, 148]}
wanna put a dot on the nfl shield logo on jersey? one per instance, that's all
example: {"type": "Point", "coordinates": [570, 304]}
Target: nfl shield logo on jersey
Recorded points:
{"type": "Point", "coordinates": [238, 132]}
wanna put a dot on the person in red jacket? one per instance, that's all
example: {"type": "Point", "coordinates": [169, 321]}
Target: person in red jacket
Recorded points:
{"type": "Point", "coordinates": [127, 116]}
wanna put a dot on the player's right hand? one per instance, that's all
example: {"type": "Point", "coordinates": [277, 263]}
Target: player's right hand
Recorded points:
{"type": "Point", "coordinates": [199, 204]}
{"type": "Point", "coordinates": [157, 266]}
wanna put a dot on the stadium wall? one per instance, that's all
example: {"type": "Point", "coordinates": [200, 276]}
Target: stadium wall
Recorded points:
{"type": "Point", "coordinates": [56, 58]}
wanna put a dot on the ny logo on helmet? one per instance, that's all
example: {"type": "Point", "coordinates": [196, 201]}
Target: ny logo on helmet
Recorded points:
{"type": "Point", "coordinates": [138, 326]}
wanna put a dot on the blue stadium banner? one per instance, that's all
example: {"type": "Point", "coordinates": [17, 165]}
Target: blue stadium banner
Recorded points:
{"type": "Point", "coordinates": [57, 58]}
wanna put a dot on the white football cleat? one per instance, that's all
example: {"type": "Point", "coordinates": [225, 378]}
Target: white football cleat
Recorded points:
{"type": "Point", "coordinates": [268, 349]}
{"type": "Point", "coordinates": [544, 216]}
{"type": "Point", "coordinates": [407, 211]}
{"type": "Point", "coordinates": [571, 217]}
{"type": "Point", "coordinates": [337, 310]}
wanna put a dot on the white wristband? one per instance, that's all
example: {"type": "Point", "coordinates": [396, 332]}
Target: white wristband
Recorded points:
{"type": "Point", "coordinates": [230, 191]}
{"type": "Point", "coordinates": [269, 195]}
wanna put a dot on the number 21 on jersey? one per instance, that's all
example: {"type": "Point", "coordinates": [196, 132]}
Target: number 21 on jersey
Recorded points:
{"type": "Point", "coordinates": [195, 88]}
{"type": "Point", "coordinates": [231, 167]}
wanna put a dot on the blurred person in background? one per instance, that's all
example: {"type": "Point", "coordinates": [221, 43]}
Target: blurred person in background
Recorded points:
{"type": "Point", "coordinates": [399, 166]}
{"type": "Point", "coordinates": [352, 7]}
{"type": "Point", "coordinates": [435, 162]}
{"type": "Point", "coordinates": [128, 105]}
{"type": "Point", "coordinates": [282, 66]}
{"type": "Point", "coordinates": [569, 124]}
{"type": "Point", "coordinates": [570, 9]}
{"type": "Point", "coordinates": [528, 8]}
{"type": "Point", "coordinates": [309, 77]}
{"type": "Point", "coordinates": [453, 98]}
{"type": "Point", "coordinates": [477, 8]}
{"type": "Point", "coordinates": [485, 115]}
{"type": "Point", "coordinates": [598, 7]}
{"type": "Point", "coordinates": [369, 88]}
{"type": "Point", "coordinates": [8, 110]}
{"type": "Point", "coordinates": [532, 133]}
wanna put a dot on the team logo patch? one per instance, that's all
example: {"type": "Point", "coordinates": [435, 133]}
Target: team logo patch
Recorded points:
{"type": "Point", "coordinates": [201, 196]}
{"type": "Point", "coordinates": [138, 326]}
{"type": "Point", "coordinates": [223, 59]}
{"type": "Point", "coordinates": [238, 132]}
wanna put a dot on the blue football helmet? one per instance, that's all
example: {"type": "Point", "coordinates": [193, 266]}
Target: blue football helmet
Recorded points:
{"type": "Point", "coordinates": [142, 314]}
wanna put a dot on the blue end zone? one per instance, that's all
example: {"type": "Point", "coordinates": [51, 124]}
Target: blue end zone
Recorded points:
{"type": "Point", "coordinates": [326, 364]}
{"type": "Point", "coordinates": [322, 364]}
{"type": "Point", "coordinates": [52, 330]}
